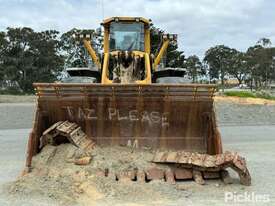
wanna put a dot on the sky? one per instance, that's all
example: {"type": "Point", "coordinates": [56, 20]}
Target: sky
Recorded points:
{"type": "Point", "coordinates": [200, 24]}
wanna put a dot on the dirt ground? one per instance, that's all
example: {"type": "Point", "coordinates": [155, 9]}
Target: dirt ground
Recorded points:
{"type": "Point", "coordinates": [246, 128]}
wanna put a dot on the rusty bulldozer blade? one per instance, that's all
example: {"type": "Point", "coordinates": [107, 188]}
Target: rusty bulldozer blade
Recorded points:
{"type": "Point", "coordinates": [157, 116]}
{"type": "Point", "coordinates": [177, 118]}
{"type": "Point", "coordinates": [174, 117]}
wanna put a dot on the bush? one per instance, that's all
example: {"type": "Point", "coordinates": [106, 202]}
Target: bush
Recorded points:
{"type": "Point", "coordinates": [240, 94]}
{"type": "Point", "coordinates": [246, 94]}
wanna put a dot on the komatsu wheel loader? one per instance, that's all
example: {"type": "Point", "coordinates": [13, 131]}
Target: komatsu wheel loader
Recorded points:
{"type": "Point", "coordinates": [129, 100]}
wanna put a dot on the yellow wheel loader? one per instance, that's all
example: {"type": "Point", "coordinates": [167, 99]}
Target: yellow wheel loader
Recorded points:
{"type": "Point", "coordinates": [129, 100]}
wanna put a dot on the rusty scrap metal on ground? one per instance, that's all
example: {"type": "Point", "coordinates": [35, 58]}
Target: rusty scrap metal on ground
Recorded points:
{"type": "Point", "coordinates": [206, 163]}
{"type": "Point", "coordinates": [71, 131]}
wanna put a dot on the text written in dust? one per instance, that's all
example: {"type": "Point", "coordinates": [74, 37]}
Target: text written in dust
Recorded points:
{"type": "Point", "coordinates": [113, 114]}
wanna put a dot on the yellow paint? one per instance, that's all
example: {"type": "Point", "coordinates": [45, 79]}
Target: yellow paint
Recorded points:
{"type": "Point", "coordinates": [147, 42]}
{"type": "Point", "coordinates": [129, 19]}
{"type": "Point", "coordinates": [91, 52]}
{"type": "Point", "coordinates": [105, 72]}
{"type": "Point", "coordinates": [148, 78]}
{"type": "Point", "coordinates": [161, 53]}
{"type": "Point", "coordinates": [106, 39]}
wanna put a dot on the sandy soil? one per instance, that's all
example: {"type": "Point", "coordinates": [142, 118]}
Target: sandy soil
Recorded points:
{"type": "Point", "coordinates": [246, 101]}
{"type": "Point", "coordinates": [76, 184]}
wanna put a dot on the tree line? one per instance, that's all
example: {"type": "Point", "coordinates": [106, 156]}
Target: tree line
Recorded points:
{"type": "Point", "coordinates": [28, 56]}
{"type": "Point", "coordinates": [255, 67]}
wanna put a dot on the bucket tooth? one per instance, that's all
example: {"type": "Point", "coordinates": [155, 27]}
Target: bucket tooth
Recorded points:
{"type": "Point", "coordinates": [197, 176]}
{"type": "Point", "coordinates": [141, 176]}
{"type": "Point", "coordinates": [170, 177]}
{"type": "Point", "coordinates": [183, 173]}
{"type": "Point", "coordinates": [155, 174]}
{"type": "Point", "coordinates": [126, 175]}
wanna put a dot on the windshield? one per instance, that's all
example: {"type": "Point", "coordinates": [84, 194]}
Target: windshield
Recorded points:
{"type": "Point", "coordinates": [127, 37]}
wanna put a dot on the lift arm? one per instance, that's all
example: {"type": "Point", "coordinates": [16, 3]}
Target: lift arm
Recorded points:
{"type": "Point", "coordinates": [161, 53]}
{"type": "Point", "coordinates": [167, 39]}
{"type": "Point", "coordinates": [92, 53]}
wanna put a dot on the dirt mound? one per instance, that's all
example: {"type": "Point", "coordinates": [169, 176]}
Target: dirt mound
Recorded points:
{"type": "Point", "coordinates": [55, 175]}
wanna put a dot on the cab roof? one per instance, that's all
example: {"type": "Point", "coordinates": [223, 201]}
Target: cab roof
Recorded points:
{"type": "Point", "coordinates": [126, 19]}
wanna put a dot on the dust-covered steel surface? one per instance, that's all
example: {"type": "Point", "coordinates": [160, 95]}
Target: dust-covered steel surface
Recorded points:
{"type": "Point", "coordinates": [155, 116]}
{"type": "Point", "coordinates": [204, 162]}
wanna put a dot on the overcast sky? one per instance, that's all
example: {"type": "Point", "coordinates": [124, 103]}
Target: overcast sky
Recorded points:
{"type": "Point", "coordinates": [200, 24]}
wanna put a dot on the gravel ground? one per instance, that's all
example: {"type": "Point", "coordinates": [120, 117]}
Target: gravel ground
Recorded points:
{"type": "Point", "coordinates": [247, 129]}
{"type": "Point", "coordinates": [17, 99]}
{"type": "Point", "coordinates": [16, 115]}
{"type": "Point", "coordinates": [244, 111]}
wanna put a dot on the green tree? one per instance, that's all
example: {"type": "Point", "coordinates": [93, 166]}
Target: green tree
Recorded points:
{"type": "Point", "coordinates": [3, 46]}
{"type": "Point", "coordinates": [31, 57]}
{"type": "Point", "coordinates": [261, 63]}
{"type": "Point", "coordinates": [218, 59]}
{"type": "Point", "coordinates": [48, 60]}
{"type": "Point", "coordinates": [194, 67]}
{"type": "Point", "coordinates": [75, 52]}
{"type": "Point", "coordinates": [17, 59]}
{"type": "Point", "coordinates": [3, 43]}
{"type": "Point", "coordinates": [174, 57]}
{"type": "Point", "coordinates": [238, 66]}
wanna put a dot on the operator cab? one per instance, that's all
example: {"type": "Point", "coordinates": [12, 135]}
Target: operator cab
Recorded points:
{"type": "Point", "coordinates": [126, 34]}
{"type": "Point", "coordinates": [126, 42]}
